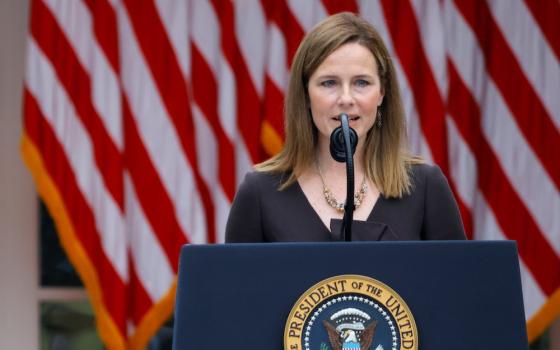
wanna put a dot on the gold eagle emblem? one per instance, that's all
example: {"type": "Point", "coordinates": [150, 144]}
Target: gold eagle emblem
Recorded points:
{"type": "Point", "coordinates": [347, 330]}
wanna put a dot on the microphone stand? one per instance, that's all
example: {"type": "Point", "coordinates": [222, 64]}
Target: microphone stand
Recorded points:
{"type": "Point", "coordinates": [343, 151]}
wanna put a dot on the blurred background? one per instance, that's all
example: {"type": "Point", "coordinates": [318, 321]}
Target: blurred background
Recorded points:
{"type": "Point", "coordinates": [126, 126]}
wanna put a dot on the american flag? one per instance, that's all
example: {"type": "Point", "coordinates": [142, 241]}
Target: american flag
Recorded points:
{"type": "Point", "coordinates": [142, 117]}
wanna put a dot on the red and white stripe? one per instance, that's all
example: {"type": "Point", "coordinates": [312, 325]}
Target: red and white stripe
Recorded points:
{"type": "Point", "coordinates": [146, 115]}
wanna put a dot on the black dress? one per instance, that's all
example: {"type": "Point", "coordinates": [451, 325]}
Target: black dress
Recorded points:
{"type": "Point", "coordinates": [261, 213]}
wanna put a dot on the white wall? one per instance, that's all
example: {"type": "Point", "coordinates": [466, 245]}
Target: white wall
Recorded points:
{"type": "Point", "coordinates": [19, 323]}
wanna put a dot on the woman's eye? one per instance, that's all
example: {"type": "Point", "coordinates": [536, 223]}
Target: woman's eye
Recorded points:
{"type": "Point", "coordinates": [328, 83]}
{"type": "Point", "coordinates": [362, 82]}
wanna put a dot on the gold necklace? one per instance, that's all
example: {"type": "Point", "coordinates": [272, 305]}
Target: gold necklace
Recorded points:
{"type": "Point", "coordinates": [329, 197]}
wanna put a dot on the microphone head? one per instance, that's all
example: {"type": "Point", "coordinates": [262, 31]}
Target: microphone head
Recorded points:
{"type": "Point", "coordinates": [337, 146]}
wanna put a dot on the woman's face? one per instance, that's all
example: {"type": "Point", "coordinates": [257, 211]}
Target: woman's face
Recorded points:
{"type": "Point", "coordinates": [345, 82]}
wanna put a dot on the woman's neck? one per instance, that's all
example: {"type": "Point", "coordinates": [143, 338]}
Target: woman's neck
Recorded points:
{"type": "Point", "coordinates": [330, 166]}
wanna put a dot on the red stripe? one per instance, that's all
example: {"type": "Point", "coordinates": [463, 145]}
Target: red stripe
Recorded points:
{"type": "Point", "coordinates": [403, 28]}
{"type": "Point", "coordinates": [511, 214]}
{"type": "Point", "coordinates": [274, 106]}
{"type": "Point", "coordinates": [205, 94]}
{"type": "Point", "coordinates": [162, 62]}
{"type": "Point", "coordinates": [248, 100]}
{"type": "Point", "coordinates": [155, 203]}
{"type": "Point", "coordinates": [105, 29]}
{"type": "Point", "coordinates": [279, 13]}
{"type": "Point", "coordinates": [335, 6]}
{"type": "Point", "coordinates": [139, 303]}
{"type": "Point", "coordinates": [547, 15]}
{"type": "Point", "coordinates": [523, 102]}
{"type": "Point", "coordinates": [52, 41]}
{"type": "Point", "coordinates": [57, 165]}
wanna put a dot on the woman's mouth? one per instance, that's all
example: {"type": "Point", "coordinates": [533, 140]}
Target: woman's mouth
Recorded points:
{"type": "Point", "coordinates": [350, 118]}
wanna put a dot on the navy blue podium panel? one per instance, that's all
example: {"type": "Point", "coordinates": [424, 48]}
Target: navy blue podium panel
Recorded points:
{"type": "Point", "coordinates": [462, 295]}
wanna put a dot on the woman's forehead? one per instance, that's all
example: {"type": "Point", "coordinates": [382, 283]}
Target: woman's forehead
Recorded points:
{"type": "Point", "coordinates": [352, 58]}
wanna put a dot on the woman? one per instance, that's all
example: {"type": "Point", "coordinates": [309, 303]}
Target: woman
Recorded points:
{"type": "Point", "coordinates": [342, 66]}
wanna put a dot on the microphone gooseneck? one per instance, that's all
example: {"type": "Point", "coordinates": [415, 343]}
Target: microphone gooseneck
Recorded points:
{"type": "Point", "coordinates": [343, 146]}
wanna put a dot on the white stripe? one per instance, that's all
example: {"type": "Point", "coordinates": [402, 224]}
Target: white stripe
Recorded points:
{"type": "Point", "coordinates": [486, 228]}
{"type": "Point", "coordinates": [416, 139]}
{"type": "Point", "coordinates": [539, 63]}
{"type": "Point", "coordinates": [525, 172]}
{"type": "Point", "coordinates": [106, 96]}
{"type": "Point", "coordinates": [372, 11]}
{"type": "Point", "coordinates": [60, 113]}
{"type": "Point", "coordinates": [533, 297]}
{"type": "Point", "coordinates": [76, 22]}
{"type": "Point", "coordinates": [205, 32]}
{"type": "Point", "coordinates": [154, 125]}
{"type": "Point", "coordinates": [462, 164]}
{"type": "Point", "coordinates": [150, 261]}
{"type": "Point", "coordinates": [250, 29]}
{"type": "Point", "coordinates": [227, 100]}
{"type": "Point", "coordinates": [308, 13]}
{"type": "Point", "coordinates": [207, 150]}
{"type": "Point", "coordinates": [174, 15]}
{"type": "Point", "coordinates": [460, 41]}
{"type": "Point", "coordinates": [206, 37]}
{"type": "Point", "coordinates": [432, 32]}
{"type": "Point", "coordinates": [277, 68]}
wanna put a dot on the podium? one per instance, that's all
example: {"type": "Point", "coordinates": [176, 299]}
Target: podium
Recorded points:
{"type": "Point", "coordinates": [462, 294]}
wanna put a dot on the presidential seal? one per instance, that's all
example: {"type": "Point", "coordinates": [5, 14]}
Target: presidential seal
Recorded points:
{"type": "Point", "coordinates": [350, 312]}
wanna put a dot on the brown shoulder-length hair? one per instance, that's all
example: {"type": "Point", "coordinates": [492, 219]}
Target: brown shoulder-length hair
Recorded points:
{"type": "Point", "coordinates": [387, 162]}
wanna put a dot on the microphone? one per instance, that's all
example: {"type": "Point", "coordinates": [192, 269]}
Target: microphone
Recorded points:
{"type": "Point", "coordinates": [337, 146]}
{"type": "Point", "coordinates": [343, 146]}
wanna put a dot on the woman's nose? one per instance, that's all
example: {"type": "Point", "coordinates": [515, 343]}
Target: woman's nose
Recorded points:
{"type": "Point", "coordinates": [345, 98]}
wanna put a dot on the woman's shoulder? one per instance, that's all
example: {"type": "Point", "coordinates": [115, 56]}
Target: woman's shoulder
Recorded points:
{"type": "Point", "coordinates": [428, 175]}
{"type": "Point", "coordinates": [257, 176]}
{"type": "Point", "coordinates": [424, 170]}
{"type": "Point", "coordinates": [263, 181]}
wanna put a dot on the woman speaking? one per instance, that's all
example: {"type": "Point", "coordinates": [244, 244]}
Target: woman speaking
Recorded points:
{"type": "Point", "coordinates": [342, 67]}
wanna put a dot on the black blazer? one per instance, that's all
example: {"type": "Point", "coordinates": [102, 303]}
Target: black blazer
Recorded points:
{"type": "Point", "coordinates": [261, 213]}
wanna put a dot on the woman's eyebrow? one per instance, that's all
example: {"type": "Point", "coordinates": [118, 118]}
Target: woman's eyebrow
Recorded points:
{"type": "Point", "coordinates": [328, 76]}
{"type": "Point", "coordinates": [364, 76]}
